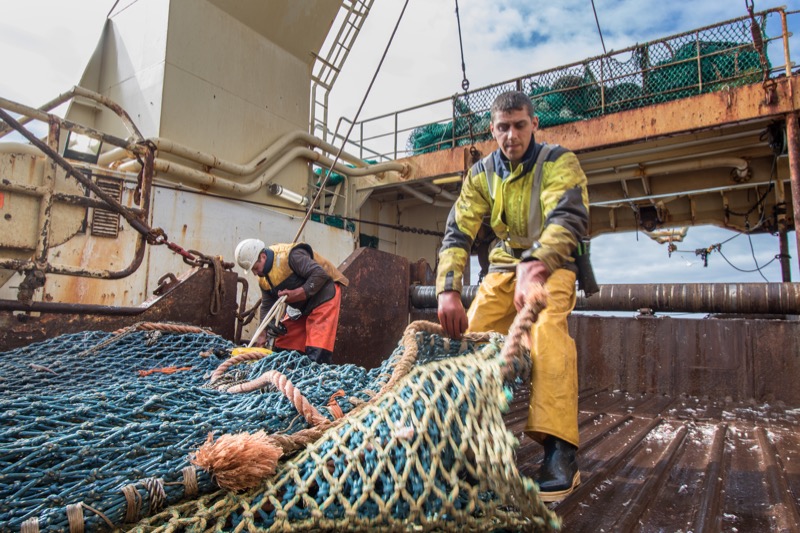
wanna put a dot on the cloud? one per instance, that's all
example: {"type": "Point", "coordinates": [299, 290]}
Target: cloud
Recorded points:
{"type": "Point", "coordinates": [46, 56]}
{"type": "Point", "coordinates": [631, 258]}
{"type": "Point", "coordinates": [504, 39]}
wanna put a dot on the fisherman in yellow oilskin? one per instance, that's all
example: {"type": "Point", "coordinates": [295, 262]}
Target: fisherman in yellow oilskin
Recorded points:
{"type": "Point", "coordinates": [312, 286]}
{"type": "Point", "coordinates": [536, 198]}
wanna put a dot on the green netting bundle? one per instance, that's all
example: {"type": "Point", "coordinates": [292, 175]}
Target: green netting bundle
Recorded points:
{"type": "Point", "coordinates": [431, 138]}
{"type": "Point", "coordinates": [470, 127]}
{"type": "Point", "coordinates": [571, 97]}
{"type": "Point", "coordinates": [574, 93]}
{"type": "Point", "coordinates": [721, 63]}
{"type": "Point", "coordinates": [623, 96]}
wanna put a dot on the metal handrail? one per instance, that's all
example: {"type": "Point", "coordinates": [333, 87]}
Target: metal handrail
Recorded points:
{"type": "Point", "coordinates": [393, 133]}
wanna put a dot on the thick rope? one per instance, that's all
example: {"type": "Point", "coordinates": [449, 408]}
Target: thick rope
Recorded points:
{"type": "Point", "coordinates": [75, 518]}
{"type": "Point", "coordinates": [218, 292]}
{"type": "Point", "coordinates": [304, 437]}
{"type": "Point", "coordinates": [157, 496]}
{"type": "Point", "coordinates": [515, 364]}
{"type": "Point", "coordinates": [276, 313]}
{"type": "Point", "coordinates": [282, 383]}
{"type": "Point", "coordinates": [163, 326]}
{"type": "Point", "coordinates": [243, 357]}
{"type": "Point", "coordinates": [189, 481]}
{"type": "Point", "coordinates": [133, 502]}
{"type": "Point", "coordinates": [333, 405]}
{"type": "Point", "coordinates": [98, 513]}
{"type": "Point", "coordinates": [334, 480]}
{"type": "Point", "coordinates": [143, 326]}
{"type": "Point", "coordinates": [515, 352]}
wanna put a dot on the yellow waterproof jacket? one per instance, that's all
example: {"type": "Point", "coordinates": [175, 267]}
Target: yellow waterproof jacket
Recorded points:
{"type": "Point", "coordinates": [541, 205]}
{"type": "Point", "coordinates": [290, 266]}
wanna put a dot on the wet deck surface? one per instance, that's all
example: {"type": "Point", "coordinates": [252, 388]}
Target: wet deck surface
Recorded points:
{"type": "Point", "coordinates": [659, 463]}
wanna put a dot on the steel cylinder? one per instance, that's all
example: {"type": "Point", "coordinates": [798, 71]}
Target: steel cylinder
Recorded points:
{"type": "Point", "coordinates": [735, 298]}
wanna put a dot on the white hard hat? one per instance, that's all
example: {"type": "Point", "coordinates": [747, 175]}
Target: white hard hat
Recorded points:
{"type": "Point", "coordinates": [247, 253]}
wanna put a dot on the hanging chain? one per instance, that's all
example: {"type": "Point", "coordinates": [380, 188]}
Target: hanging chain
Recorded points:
{"type": "Point", "coordinates": [465, 87]}
{"type": "Point", "coordinates": [153, 236]}
{"type": "Point", "coordinates": [465, 81]}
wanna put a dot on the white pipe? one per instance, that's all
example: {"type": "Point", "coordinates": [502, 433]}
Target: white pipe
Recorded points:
{"type": "Point", "coordinates": [739, 165]}
{"type": "Point", "coordinates": [207, 180]}
{"type": "Point", "coordinates": [424, 197]}
{"type": "Point", "coordinates": [111, 156]}
{"type": "Point", "coordinates": [624, 202]}
{"type": "Point", "coordinates": [603, 158]}
{"type": "Point", "coordinates": [286, 194]}
{"type": "Point", "coordinates": [19, 148]}
{"type": "Point", "coordinates": [41, 113]}
{"type": "Point", "coordinates": [257, 163]}
{"type": "Point", "coordinates": [438, 190]}
{"type": "Point", "coordinates": [210, 160]}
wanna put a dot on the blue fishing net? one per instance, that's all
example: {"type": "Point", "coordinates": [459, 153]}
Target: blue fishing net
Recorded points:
{"type": "Point", "coordinates": [82, 418]}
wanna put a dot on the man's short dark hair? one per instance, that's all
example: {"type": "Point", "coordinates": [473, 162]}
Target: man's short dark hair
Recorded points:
{"type": "Point", "coordinates": [512, 101]}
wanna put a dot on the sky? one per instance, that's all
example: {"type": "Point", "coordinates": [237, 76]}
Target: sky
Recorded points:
{"type": "Point", "coordinates": [45, 45]}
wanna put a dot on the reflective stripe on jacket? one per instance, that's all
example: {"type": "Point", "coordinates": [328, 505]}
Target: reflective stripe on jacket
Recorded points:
{"type": "Point", "coordinates": [492, 188]}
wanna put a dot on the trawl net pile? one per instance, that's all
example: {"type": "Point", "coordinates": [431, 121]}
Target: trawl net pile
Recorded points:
{"type": "Point", "coordinates": [103, 426]}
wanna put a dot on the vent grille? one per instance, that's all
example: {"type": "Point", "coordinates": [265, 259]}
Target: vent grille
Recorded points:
{"type": "Point", "coordinates": [105, 223]}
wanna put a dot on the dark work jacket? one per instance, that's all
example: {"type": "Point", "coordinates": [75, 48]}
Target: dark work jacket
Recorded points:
{"type": "Point", "coordinates": [292, 266]}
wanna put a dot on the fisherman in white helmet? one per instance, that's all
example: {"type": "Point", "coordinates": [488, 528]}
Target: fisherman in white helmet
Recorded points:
{"type": "Point", "coordinates": [311, 284]}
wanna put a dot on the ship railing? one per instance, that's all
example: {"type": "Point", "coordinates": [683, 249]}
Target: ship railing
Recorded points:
{"type": "Point", "coordinates": [712, 58]}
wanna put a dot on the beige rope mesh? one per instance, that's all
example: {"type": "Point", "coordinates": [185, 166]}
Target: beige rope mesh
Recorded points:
{"type": "Point", "coordinates": [432, 453]}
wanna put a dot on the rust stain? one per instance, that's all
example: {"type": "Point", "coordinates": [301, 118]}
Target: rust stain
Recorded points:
{"type": "Point", "coordinates": [661, 120]}
{"type": "Point", "coordinates": [188, 303]}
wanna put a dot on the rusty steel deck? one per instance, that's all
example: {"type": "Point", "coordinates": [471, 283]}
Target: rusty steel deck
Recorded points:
{"type": "Point", "coordinates": [652, 462]}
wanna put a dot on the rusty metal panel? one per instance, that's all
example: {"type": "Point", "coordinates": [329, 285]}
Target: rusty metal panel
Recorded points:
{"type": "Point", "coordinates": [738, 359]}
{"type": "Point", "coordinates": [187, 302]}
{"type": "Point", "coordinates": [20, 211]}
{"type": "Point", "coordinates": [711, 110]}
{"type": "Point", "coordinates": [22, 188]}
{"type": "Point", "coordinates": [374, 311]}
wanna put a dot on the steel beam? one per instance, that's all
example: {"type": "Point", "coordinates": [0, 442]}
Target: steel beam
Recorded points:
{"type": "Point", "coordinates": [793, 141]}
{"type": "Point", "coordinates": [734, 298]}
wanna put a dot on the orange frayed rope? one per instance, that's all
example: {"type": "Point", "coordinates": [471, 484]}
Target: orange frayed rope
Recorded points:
{"type": "Point", "coordinates": [165, 370]}
{"type": "Point", "coordinates": [333, 405]}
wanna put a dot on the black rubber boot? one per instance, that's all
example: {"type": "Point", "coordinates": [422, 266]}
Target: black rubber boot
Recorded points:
{"type": "Point", "coordinates": [319, 355]}
{"type": "Point", "coordinates": [559, 474]}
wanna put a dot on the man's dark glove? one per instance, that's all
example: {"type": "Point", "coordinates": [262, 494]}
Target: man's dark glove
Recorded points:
{"type": "Point", "coordinates": [276, 330]}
